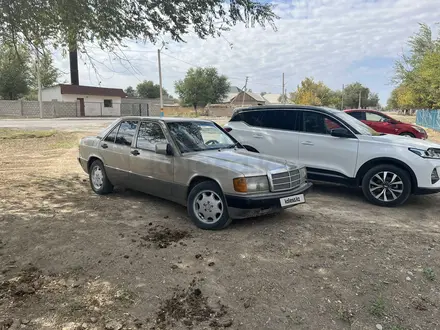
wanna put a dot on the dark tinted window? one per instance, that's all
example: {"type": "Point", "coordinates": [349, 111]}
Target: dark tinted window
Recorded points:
{"type": "Point", "coordinates": [111, 137]}
{"type": "Point", "coordinates": [273, 118]}
{"type": "Point", "coordinates": [149, 135]}
{"type": "Point", "coordinates": [317, 123]}
{"type": "Point", "coordinates": [126, 132]}
{"type": "Point", "coordinates": [358, 115]}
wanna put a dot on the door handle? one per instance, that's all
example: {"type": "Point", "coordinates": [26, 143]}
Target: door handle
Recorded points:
{"type": "Point", "coordinates": [135, 153]}
{"type": "Point", "coordinates": [307, 143]}
{"type": "Point", "coordinates": [104, 145]}
{"type": "Point", "coordinates": [257, 135]}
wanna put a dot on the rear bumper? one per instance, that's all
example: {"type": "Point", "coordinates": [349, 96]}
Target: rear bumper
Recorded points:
{"type": "Point", "coordinates": [251, 206]}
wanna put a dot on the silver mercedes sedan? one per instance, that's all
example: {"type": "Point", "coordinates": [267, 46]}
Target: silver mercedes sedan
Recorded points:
{"type": "Point", "coordinates": [194, 163]}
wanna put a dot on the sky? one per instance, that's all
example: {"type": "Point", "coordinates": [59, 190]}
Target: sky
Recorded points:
{"type": "Point", "coordinates": [336, 41]}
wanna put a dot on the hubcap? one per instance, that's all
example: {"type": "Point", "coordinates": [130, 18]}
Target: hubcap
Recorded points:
{"type": "Point", "coordinates": [97, 177]}
{"type": "Point", "coordinates": [208, 206]}
{"type": "Point", "coordinates": [386, 186]}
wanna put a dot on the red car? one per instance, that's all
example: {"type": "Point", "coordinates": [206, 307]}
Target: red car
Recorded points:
{"type": "Point", "coordinates": [383, 123]}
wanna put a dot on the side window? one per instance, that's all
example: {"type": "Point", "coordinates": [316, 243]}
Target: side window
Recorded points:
{"type": "Point", "coordinates": [280, 119]}
{"type": "Point", "coordinates": [359, 115]}
{"type": "Point", "coordinates": [149, 135]}
{"type": "Point", "coordinates": [126, 132]}
{"type": "Point", "coordinates": [317, 123]}
{"type": "Point", "coordinates": [373, 116]}
{"type": "Point", "coordinates": [253, 118]}
{"type": "Point", "coordinates": [112, 136]}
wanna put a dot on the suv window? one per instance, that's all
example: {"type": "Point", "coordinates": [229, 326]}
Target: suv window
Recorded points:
{"type": "Point", "coordinates": [112, 135]}
{"type": "Point", "coordinates": [149, 135]}
{"type": "Point", "coordinates": [358, 115]}
{"type": "Point", "coordinates": [374, 117]}
{"type": "Point", "coordinates": [318, 123]}
{"type": "Point", "coordinates": [126, 132]}
{"type": "Point", "coordinates": [273, 118]}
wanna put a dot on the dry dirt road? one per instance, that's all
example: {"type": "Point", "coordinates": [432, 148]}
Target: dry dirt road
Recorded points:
{"type": "Point", "coordinates": [70, 259]}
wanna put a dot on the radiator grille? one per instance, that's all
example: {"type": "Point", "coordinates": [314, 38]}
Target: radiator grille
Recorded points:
{"type": "Point", "coordinates": [285, 180]}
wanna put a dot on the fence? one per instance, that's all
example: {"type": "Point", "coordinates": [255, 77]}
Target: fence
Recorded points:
{"type": "Point", "coordinates": [31, 109]}
{"type": "Point", "coordinates": [428, 118]}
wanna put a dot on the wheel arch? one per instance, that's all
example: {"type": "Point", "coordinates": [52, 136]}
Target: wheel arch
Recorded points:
{"type": "Point", "coordinates": [384, 161]}
{"type": "Point", "coordinates": [195, 180]}
{"type": "Point", "coordinates": [90, 161]}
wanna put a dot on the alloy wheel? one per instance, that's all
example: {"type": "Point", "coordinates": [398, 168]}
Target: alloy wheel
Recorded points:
{"type": "Point", "coordinates": [386, 186]}
{"type": "Point", "coordinates": [208, 206]}
{"type": "Point", "coordinates": [97, 177]}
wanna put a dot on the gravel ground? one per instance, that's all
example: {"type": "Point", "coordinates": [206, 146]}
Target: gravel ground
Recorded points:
{"type": "Point", "coordinates": [70, 259]}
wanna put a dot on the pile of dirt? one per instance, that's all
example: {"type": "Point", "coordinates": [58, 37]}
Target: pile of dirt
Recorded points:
{"type": "Point", "coordinates": [27, 282]}
{"type": "Point", "coordinates": [189, 306]}
{"type": "Point", "coordinates": [162, 237]}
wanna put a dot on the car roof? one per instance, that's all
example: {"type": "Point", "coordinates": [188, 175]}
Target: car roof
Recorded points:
{"type": "Point", "coordinates": [166, 119]}
{"type": "Point", "coordinates": [288, 107]}
{"type": "Point", "coordinates": [362, 110]}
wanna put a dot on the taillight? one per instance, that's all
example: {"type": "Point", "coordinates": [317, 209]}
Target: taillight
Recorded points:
{"type": "Point", "coordinates": [227, 129]}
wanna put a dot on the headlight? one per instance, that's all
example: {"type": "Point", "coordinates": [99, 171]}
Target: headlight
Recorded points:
{"type": "Point", "coordinates": [252, 184]}
{"type": "Point", "coordinates": [419, 129]}
{"type": "Point", "coordinates": [429, 153]}
{"type": "Point", "coordinates": [303, 174]}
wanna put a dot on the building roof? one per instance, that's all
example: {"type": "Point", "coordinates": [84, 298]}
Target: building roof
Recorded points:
{"type": "Point", "coordinates": [234, 89]}
{"type": "Point", "coordinates": [255, 96]}
{"type": "Point", "coordinates": [272, 98]}
{"type": "Point", "coordinates": [229, 97]}
{"type": "Point", "coordinates": [90, 90]}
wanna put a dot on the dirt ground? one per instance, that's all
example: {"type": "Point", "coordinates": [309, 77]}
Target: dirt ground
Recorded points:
{"type": "Point", "coordinates": [70, 259]}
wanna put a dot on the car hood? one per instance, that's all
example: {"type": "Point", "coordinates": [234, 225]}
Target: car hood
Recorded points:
{"type": "Point", "coordinates": [403, 141]}
{"type": "Point", "coordinates": [245, 162]}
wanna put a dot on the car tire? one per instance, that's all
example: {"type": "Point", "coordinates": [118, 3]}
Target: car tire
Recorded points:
{"type": "Point", "coordinates": [208, 194]}
{"type": "Point", "coordinates": [408, 134]}
{"type": "Point", "coordinates": [386, 185]}
{"type": "Point", "coordinates": [98, 179]}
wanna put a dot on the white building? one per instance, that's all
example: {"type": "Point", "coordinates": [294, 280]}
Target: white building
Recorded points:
{"type": "Point", "coordinates": [93, 101]}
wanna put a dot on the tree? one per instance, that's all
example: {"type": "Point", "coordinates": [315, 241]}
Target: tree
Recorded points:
{"type": "Point", "coordinates": [73, 25]}
{"type": "Point", "coordinates": [352, 93]}
{"type": "Point", "coordinates": [14, 72]}
{"type": "Point", "coordinates": [149, 90]}
{"type": "Point", "coordinates": [310, 92]}
{"type": "Point", "coordinates": [49, 74]}
{"type": "Point", "coordinates": [130, 91]}
{"type": "Point", "coordinates": [202, 86]}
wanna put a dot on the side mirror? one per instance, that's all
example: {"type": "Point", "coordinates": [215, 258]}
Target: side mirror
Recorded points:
{"type": "Point", "coordinates": [164, 149]}
{"type": "Point", "coordinates": [341, 132]}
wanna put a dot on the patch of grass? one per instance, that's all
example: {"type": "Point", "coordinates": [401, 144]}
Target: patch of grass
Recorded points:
{"type": "Point", "coordinates": [397, 327]}
{"type": "Point", "coordinates": [429, 273]}
{"type": "Point", "coordinates": [10, 134]}
{"type": "Point", "coordinates": [65, 144]}
{"type": "Point", "coordinates": [346, 315]}
{"type": "Point", "coordinates": [378, 307]}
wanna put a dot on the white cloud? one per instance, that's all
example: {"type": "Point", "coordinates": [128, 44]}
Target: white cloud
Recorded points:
{"type": "Point", "coordinates": [319, 38]}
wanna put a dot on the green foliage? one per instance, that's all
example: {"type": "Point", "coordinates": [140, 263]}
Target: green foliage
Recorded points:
{"type": "Point", "coordinates": [378, 307]}
{"type": "Point", "coordinates": [130, 91]}
{"type": "Point", "coordinates": [108, 23]}
{"type": "Point", "coordinates": [149, 90]}
{"type": "Point", "coordinates": [202, 86]}
{"type": "Point", "coordinates": [417, 73]}
{"type": "Point", "coordinates": [14, 72]}
{"type": "Point", "coordinates": [48, 73]}
{"type": "Point", "coordinates": [351, 96]}
{"type": "Point", "coordinates": [429, 273]}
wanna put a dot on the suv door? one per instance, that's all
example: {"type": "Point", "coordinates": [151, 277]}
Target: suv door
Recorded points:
{"type": "Point", "coordinates": [270, 131]}
{"type": "Point", "coordinates": [115, 151]}
{"type": "Point", "coordinates": [326, 157]}
{"type": "Point", "coordinates": [151, 172]}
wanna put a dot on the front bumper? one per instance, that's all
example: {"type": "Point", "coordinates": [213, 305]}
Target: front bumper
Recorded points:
{"type": "Point", "coordinates": [240, 207]}
{"type": "Point", "coordinates": [83, 164]}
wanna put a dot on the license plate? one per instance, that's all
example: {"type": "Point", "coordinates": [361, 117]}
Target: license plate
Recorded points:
{"type": "Point", "coordinates": [292, 200]}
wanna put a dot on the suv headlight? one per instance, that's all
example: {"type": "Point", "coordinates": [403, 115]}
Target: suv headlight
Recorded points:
{"type": "Point", "coordinates": [429, 153]}
{"type": "Point", "coordinates": [419, 129]}
{"type": "Point", "coordinates": [252, 184]}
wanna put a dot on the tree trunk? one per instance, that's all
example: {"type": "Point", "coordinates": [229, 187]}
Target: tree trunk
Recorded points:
{"type": "Point", "coordinates": [195, 108]}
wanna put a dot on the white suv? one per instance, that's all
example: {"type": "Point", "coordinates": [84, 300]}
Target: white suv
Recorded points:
{"type": "Point", "coordinates": [338, 148]}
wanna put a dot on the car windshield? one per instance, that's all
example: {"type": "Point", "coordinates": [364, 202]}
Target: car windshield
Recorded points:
{"type": "Point", "coordinates": [356, 124]}
{"type": "Point", "coordinates": [199, 136]}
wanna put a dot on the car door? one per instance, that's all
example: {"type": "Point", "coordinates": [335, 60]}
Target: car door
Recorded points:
{"type": "Point", "coordinates": [325, 156]}
{"type": "Point", "coordinates": [151, 172]}
{"type": "Point", "coordinates": [115, 150]}
{"type": "Point", "coordinates": [273, 132]}
{"type": "Point", "coordinates": [379, 123]}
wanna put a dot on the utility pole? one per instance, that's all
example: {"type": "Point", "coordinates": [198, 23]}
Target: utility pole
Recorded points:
{"type": "Point", "coordinates": [160, 83]}
{"type": "Point", "coordinates": [360, 95]}
{"type": "Point", "coordinates": [244, 90]}
{"type": "Point", "coordinates": [342, 98]}
{"type": "Point", "coordinates": [40, 93]}
{"type": "Point", "coordinates": [283, 96]}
